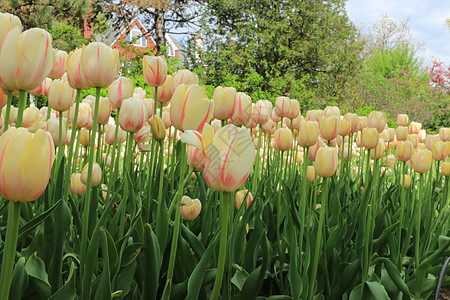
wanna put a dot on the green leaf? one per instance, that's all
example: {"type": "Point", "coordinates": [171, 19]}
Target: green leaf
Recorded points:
{"type": "Point", "coordinates": [35, 269]}
{"type": "Point", "coordinates": [377, 290]}
{"type": "Point", "coordinates": [152, 263]}
{"type": "Point", "coordinates": [19, 282]}
{"type": "Point", "coordinates": [67, 291]}
{"type": "Point", "coordinates": [104, 289]}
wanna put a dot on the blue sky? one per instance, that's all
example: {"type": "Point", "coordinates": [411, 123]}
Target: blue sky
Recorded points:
{"type": "Point", "coordinates": [427, 22]}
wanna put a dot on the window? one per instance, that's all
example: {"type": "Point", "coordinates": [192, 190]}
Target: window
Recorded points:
{"type": "Point", "coordinates": [170, 51]}
{"type": "Point", "coordinates": [136, 37]}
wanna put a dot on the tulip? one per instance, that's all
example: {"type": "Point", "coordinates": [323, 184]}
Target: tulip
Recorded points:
{"type": "Point", "coordinates": [165, 91]}
{"type": "Point", "coordinates": [353, 120]}
{"type": "Point", "coordinates": [76, 186]}
{"type": "Point", "coordinates": [282, 106]}
{"type": "Point", "coordinates": [390, 161]}
{"type": "Point", "coordinates": [139, 92]}
{"type": "Point", "coordinates": [422, 135]}
{"type": "Point", "coordinates": [61, 95]}
{"type": "Point", "coordinates": [402, 120]}
{"type": "Point", "coordinates": [401, 133]}
{"type": "Point", "coordinates": [384, 135]}
{"type": "Point", "coordinates": [295, 123]}
{"type": "Point", "coordinates": [311, 173]}
{"type": "Point", "coordinates": [104, 110]}
{"type": "Point", "coordinates": [369, 138]}
{"type": "Point", "coordinates": [379, 150]}
{"type": "Point", "coordinates": [166, 119]}
{"type": "Point", "coordinates": [313, 150]}
{"type": "Point", "coordinates": [261, 111]}
{"type": "Point", "coordinates": [404, 150]}
{"type": "Point", "coordinates": [406, 183]}
{"type": "Point", "coordinates": [243, 110]}
{"type": "Point", "coordinates": [190, 208]}
{"type": "Point", "coordinates": [3, 100]}
{"type": "Point", "coordinates": [313, 115]}
{"type": "Point", "coordinates": [229, 159]}
{"type": "Point", "coordinates": [7, 23]}
{"type": "Point", "coordinates": [415, 127]}
{"type": "Point", "coordinates": [329, 127]}
{"type": "Point", "coordinates": [269, 126]}
{"type": "Point", "coordinates": [326, 162]}
{"type": "Point", "coordinates": [190, 109]}
{"type": "Point", "coordinates": [158, 128]}
{"type": "Point", "coordinates": [346, 127]}
{"type": "Point", "coordinates": [438, 151]}
{"type": "Point", "coordinates": [331, 111]}
{"type": "Point", "coordinates": [421, 160]}
{"type": "Point", "coordinates": [132, 115]}
{"type": "Point", "coordinates": [414, 139]}
{"type": "Point", "coordinates": [96, 174]}
{"type": "Point", "coordinates": [183, 77]}
{"type": "Point", "coordinates": [224, 102]}
{"type": "Point", "coordinates": [362, 123]}
{"type": "Point", "coordinates": [294, 110]}
{"type": "Point", "coordinates": [309, 132]}
{"type": "Point", "coordinates": [100, 63]}
{"type": "Point", "coordinates": [110, 132]}
{"type": "Point", "coordinates": [196, 158]}
{"type": "Point", "coordinates": [445, 168]}
{"type": "Point", "coordinates": [155, 70]}
{"type": "Point", "coordinates": [26, 59]}
{"type": "Point", "coordinates": [59, 66]}
{"type": "Point", "coordinates": [444, 134]}
{"type": "Point", "coordinates": [377, 120]}
{"type": "Point", "coordinates": [25, 163]}
{"type": "Point", "coordinates": [84, 137]}
{"type": "Point", "coordinates": [84, 115]}
{"type": "Point", "coordinates": [275, 118]}
{"type": "Point", "coordinates": [75, 72]}
{"type": "Point", "coordinates": [283, 139]}
{"type": "Point", "coordinates": [52, 127]}
{"type": "Point", "coordinates": [119, 90]}
{"type": "Point", "coordinates": [239, 198]}
{"type": "Point", "coordinates": [299, 158]}
{"type": "Point", "coordinates": [143, 135]}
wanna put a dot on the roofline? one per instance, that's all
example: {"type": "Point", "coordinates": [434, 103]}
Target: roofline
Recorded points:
{"type": "Point", "coordinates": [128, 26]}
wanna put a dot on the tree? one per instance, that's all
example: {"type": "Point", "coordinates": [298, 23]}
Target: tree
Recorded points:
{"type": "Point", "coordinates": [162, 16]}
{"type": "Point", "coordinates": [305, 49]}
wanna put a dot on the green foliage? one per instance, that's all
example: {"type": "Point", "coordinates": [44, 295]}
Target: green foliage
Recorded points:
{"type": "Point", "coordinates": [66, 37]}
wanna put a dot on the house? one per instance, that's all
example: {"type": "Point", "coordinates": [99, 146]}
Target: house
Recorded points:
{"type": "Point", "coordinates": [131, 38]}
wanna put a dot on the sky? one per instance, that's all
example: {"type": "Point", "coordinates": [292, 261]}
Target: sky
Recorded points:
{"type": "Point", "coordinates": [427, 22]}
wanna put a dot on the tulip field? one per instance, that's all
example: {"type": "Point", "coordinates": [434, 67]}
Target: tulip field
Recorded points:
{"type": "Point", "coordinates": [171, 195]}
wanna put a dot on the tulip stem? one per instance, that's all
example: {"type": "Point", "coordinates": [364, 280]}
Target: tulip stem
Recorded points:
{"type": "Point", "coordinates": [21, 108]}
{"type": "Point", "coordinates": [225, 200]}
{"type": "Point", "coordinates": [8, 110]}
{"type": "Point", "coordinates": [112, 169]}
{"type": "Point", "coordinates": [10, 249]}
{"type": "Point", "coordinates": [256, 170]}
{"type": "Point", "coordinates": [402, 211]}
{"type": "Point", "coordinates": [71, 143]}
{"type": "Point", "coordinates": [87, 277]}
{"type": "Point", "coordinates": [419, 276]}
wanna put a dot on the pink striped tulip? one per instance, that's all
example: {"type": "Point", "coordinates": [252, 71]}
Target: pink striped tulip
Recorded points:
{"type": "Point", "coordinates": [165, 91]}
{"type": "Point", "coordinates": [421, 160]}
{"type": "Point", "coordinates": [415, 127]}
{"type": "Point", "coordinates": [76, 186]}
{"type": "Point", "coordinates": [61, 95]}
{"type": "Point", "coordinates": [26, 59]}
{"type": "Point", "coordinates": [402, 120]}
{"type": "Point", "coordinates": [100, 63]}
{"type": "Point", "coordinates": [243, 110]}
{"type": "Point", "coordinates": [330, 127]}
{"type": "Point", "coordinates": [308, 134]}
{"type": "Point", "coordinates": [96, 174]}
{"type": "Point", "coordinates": [59, 66]}
{"type": "Point", "coordinates": [404, 150]}
{"type": "Point", "coordinates": [261, 111]}
{"type": "Point", "coordinates": [75, 72]}
{"type": "Point", "coordinates": [224, 102]}
{"type": "Point", "coordinates": [190, 109]}
{"type": "Point", "coordinates": [377, 120]}
{"type": "Point", "coordinates": [294, 111]}
{"type": "Point", "coordinates": [239, 198]}
{"type": "Point", "coordinates": [326, 162]}
{"type": "Point", "coordinates": [282, 106]}
{"type": "Point", "coordinates": [104, 110]}
{"type": "Point", "coordinates": [183, 77]}
{"type": "Point", "coordinates": [444, 134]}
{"type": "Point", "coordinates": [7, 23]}
{"type": "Point", "coordinates": [283, 139]}
{"type": "Point", "coordinates": [155, 70]}
{"type": "Point", "coordinates": [369, 138]}
{"type": "Point", "coordinates": [119, 90]}
{"type": "Point", "coordinates": [132, 115]}
{"type": "Point", "coordinates": [25, 163]}
{"type": "Point", "coordinates": [190, 208]}
{"type": "Point", "coordinates": [331, 111]}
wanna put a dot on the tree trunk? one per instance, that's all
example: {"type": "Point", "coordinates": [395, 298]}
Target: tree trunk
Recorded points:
{"type": "Point", "coordinates": [160, 31]}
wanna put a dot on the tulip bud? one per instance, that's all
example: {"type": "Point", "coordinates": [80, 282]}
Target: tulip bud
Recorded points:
{"type": "Point", "coordinates": [404, 150]}
{"type": "Point", "coordinates": [311, 174]}
{"type": "Point", "coordinates": [444, 134]}
{"type": "Point", "coordinates": [421, 160]}
{"type": "Point", "coordinates": [261, 111]}
{"type": "Point", "coordinates": [377, 120]}
{"type": "Point", "coordinates": [283, 139]}
{"type": "Point", "coordinates": [445, 168]}
{"type": "Point", "coordinates": [96, 174]}
{"type": "Point", "coordinates": [155, 70]}
{"type": "Point", "coordinates": [158, 128]}
{"type": "Point", "coordinates": [25, 163]}
{"type": "Point", "coordinates": [243, 110]}
{"type": "Point", "coordinates": [313, 149]}
{"type": "Point", "coordinates": [326, 162]}
{"type": "Point", "coordinates": [104, 110]}
{"type": "Point", "coordinates": [76, 186]}
{"type": "Point", "coordinates": [190, 208]}
{"type": "Point", "coordinates": [402, 120]}
{"type": "Point", "coordinates": [239, 198]}
{"type": "Point", "coordinates": [132, 115]}
{"type": "Point", "coordinates": [100, 63]}
{"type": "Point", "coordinates": [59, 66]}
{"type": "Point", "coordinates": [294, 110]}
{"type": "Point", "coordinates": [84, 137]}
{"type": "Point", "coordinates": [405, 180]}
{"type": "Point", "coordinates": [119, 90]}
{"type": "Point", "coordinates": [75, 72]}
{"type": "Point", "coordinates": [369, 138]}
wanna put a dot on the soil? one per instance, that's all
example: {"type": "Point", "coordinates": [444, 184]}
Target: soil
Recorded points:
{"type": "Point", "coordinates": [444, 294]}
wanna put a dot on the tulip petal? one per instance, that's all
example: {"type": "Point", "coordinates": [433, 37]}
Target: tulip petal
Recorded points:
{"type": "Point", "coordinates": [193, 138]}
